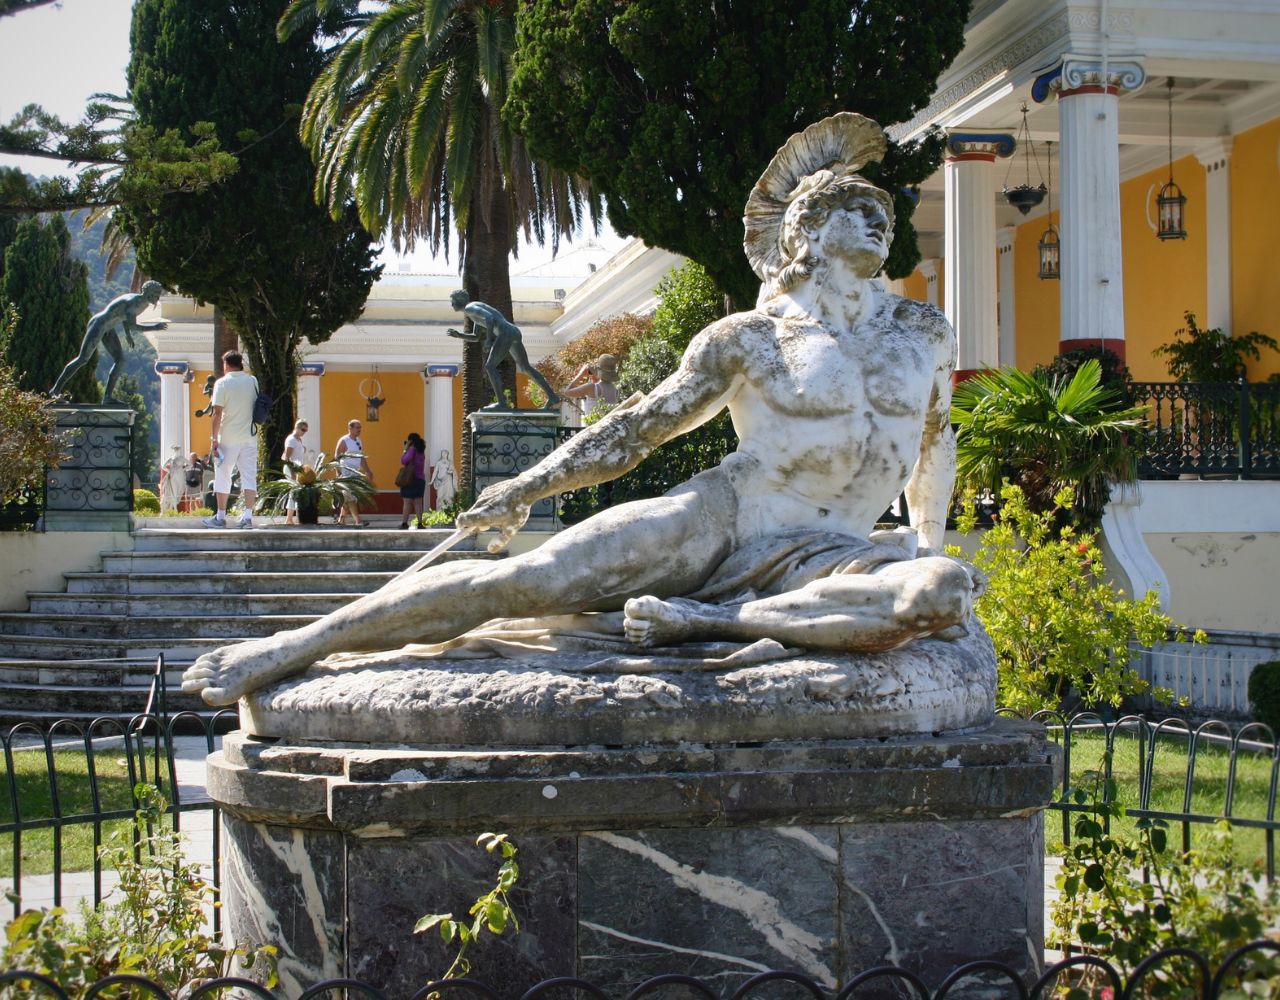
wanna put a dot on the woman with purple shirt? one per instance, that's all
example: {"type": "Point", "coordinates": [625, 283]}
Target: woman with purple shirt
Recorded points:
{"type": "Point", "coordinates": [415, 456]}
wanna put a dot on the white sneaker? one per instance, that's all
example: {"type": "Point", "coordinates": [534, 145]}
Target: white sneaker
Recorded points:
{"type": "Point", "coordinates": [214, 522]}
{"type": "Point", "coordinates": [245, 522]}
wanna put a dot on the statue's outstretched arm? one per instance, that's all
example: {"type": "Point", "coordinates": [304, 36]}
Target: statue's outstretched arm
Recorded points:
{"type": "Point", "coordinates": [929, 489]}
{"type": "Point", "coordinates": [700, 388]}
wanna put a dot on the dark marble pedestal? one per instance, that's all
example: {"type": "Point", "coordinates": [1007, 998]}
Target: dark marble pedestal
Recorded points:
{"type": "Point", "coordinates": [824, 857]}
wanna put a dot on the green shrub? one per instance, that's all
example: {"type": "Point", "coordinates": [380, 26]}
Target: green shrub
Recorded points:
{"type": "Point", "coordinates": [1264, 694]}
{"type": "Point", "coordinates": [1125, 896]}
{"type": "Point", "coordinates": [145, 502]}
{"type": "Point", "coordinates": [1058, 625]}
{"type": "Point", "coordinates": [156, 928]}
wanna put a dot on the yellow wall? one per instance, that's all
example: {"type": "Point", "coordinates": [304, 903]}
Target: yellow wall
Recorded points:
{"type": "Point", "coordinates": [914, 286]}
{"type": "Point", "coordinates": [1255, 225]}
{"type": "Point", "coordinates": [340, 401]}
{"type": "Point", "coordinates": [1162, 278]}
{"type": "Point", "coordinates": [1036, 302]}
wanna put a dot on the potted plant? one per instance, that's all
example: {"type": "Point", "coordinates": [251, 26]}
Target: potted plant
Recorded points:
{"type": "Point", "coordinates": [310, 485]}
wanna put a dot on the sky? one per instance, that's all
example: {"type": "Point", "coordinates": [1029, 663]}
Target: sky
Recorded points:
{"type": "Point", "coordinates": [57, 56]}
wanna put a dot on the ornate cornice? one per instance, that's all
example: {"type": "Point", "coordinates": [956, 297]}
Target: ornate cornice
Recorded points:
{"type": "Point", "coordinates": [1022, 49]}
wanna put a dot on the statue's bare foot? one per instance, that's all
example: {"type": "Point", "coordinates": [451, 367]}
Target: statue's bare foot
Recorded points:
{"type": "Point", "coordinates": [228, 673]}
{"type": "Point", "coordinates": [651, 621]}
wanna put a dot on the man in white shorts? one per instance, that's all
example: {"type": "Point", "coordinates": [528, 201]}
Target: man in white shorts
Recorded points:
{"type": "Point", "coordinates": [234, 443]}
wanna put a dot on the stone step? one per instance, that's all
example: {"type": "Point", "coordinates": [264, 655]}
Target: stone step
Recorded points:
{"type": "Point", "coordinates": [292, 539]}
{"type": "Point", "coordinates": [196, 561]}
{"type": "Point", "coordinates": [26, 699]}
{"type": "Point", "coordinates": [146, 631]}
{"type": "Point", "coordinates": [188, 606]}
{"type": "Point", "coordinates": [81, 718]}
{"type": "Point", "coordinates": [138, 584]}
{"type": "Point", "coordinates": [120, 672]}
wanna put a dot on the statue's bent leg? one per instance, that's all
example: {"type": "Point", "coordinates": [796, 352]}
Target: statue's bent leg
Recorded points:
{"type": "Point", "coordinates": [92, 338]}
{"type": "Point", "coordinates": [595, 565]}
{"type": "Point", "coordinates": [112, 343]}
{"type": "Point", "coordinates": [867, 612]}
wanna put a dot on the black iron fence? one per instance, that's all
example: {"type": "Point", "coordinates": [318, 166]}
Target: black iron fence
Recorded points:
{"type": "Point", "coordinates": [70, 783]}
{"type": "Point", "coordinates": [1242, 968]}
{"type": "Point", "coordinates": [1210, 429]}
{"type": "Point", "coordinates": [1189, 776]}
{"type": "Point", "coordinates": [57, 787]}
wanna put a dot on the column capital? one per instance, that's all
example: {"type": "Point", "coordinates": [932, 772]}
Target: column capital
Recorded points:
{"type": "Point", "coordinates": [1005, 235]}
{"type": "Point", "coordinates": [441, 371]}
{"type": "Point", "coordinates": [312, 369]}
{"type": "Point", "coordinates": [928, 266]}
{"type": "Point", "coordinates": [985, 146]}
{"type": "Point", "coordinates": [1215, 154]}
{"type": "Point", "coordinates": [1084, 75]}
{"type": "Point", "coordinates": [172, 368]}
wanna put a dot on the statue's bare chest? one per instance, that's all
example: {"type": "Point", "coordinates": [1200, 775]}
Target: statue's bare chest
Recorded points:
{"type": "Point", "coordinates": [810, 372]}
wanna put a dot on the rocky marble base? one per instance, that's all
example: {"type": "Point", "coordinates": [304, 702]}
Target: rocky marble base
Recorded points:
{"type": "Point", "coordinates": [825, 857]}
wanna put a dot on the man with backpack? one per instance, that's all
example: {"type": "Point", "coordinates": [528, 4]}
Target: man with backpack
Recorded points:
{"type": "Point", "coordinates": [234, 441]}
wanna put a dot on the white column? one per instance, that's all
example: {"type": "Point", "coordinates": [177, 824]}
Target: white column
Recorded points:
{"type": "Point", "coordinates": [440, 429]}
{"type": "Point", "coordinates": [929, 268]}
{"type": "Point", "coordinates": [1092, 302]}
{"type": "Point", "coordinates": [1005, 304]}
{"type": "Point", "coordinates": [174, 428]}
{"type": "Point", "coordinates": [1215, 158]}
{"type": "Point", "coordinates": [970, 246]}
{"type": "Point", "coordinates": [309, 375]}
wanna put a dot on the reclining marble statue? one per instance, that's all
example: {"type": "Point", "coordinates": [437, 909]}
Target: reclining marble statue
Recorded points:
{"type": "Point", "coordinates": [840, 395]}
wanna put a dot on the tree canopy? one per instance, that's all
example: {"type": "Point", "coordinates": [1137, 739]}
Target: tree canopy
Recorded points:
{"type": "Point", "coordinates": [280, 268]}
{"type": "Point", "coordinates": [673, 108]}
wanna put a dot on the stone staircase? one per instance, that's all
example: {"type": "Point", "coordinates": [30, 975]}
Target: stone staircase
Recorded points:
{"type": "Point", "coordinates": [91, 651]}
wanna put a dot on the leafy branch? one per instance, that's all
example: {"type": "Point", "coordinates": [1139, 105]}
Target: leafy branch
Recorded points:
{"type": "Point", "coordinates": [492, 911]}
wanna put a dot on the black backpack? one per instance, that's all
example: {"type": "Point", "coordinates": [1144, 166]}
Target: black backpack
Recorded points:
{"type": "Point", "coordinates": [261, 407]}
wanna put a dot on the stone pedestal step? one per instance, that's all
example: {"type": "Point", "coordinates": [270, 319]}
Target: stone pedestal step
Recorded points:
{"type": "Point", "coordinates": [138, 584]}
{"type": "Point", "coordinates": [292, 539]}
{"type": "Point", "coordinates": [151, 628]}
{"type": "Point", "coordinates": [59, 649]}
{"type": "Point", "coordinates": [27, 699]}
{"type": "Point", "coordinates": [122, 672]}
{"type": "Point", "coordinates": [188, 605]}
{"type": "Point", "coordinates": [196, 561]}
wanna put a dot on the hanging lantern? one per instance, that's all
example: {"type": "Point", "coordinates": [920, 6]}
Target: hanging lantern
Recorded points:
{"type": "Point", "coordinates": [1024, 197]}
{"type": "Point", "coordinates": [1049, 248]}
{"type": "Point", "coordinates": [1170, 200]}
{"type": "Point", "coordinates": [372, 399]}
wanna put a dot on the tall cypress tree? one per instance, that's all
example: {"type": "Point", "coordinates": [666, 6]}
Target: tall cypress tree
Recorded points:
{"type": "Point", "coordinates": [278, 267]}
{"type": "Point", "coordinates": [50, 290]}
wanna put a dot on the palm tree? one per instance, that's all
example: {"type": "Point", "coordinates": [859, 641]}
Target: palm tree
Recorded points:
{"type": "Point", "coordinates": [405, 118]}
{"type": "Point", "coordinates": [1043, 433]}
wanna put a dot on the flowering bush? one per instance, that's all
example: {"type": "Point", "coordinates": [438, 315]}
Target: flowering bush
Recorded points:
{"type": "Point", "coordinates": [1058, 625]}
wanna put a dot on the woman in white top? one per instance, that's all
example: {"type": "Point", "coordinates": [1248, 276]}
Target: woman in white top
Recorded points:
{"type": "Point", "coordinates": [599, 387]}
{"type": "Point", "coordinates": [295, 454]}
{"type": "Point", "coordinates": [350, 455]}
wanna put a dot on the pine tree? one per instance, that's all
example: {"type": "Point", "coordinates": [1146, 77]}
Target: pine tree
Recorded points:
{"type": "Point", "coordinates": [50, 290]}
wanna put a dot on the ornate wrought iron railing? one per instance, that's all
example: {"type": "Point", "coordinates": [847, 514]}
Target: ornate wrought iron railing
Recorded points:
{"type": "Point", "coordinates": [97, 474]}
{"type": "Point", "coordinates": [1210, 429]}
{"type": "Point", "coordinates": [1249, 964]}
{"type": "Point", "coordinates": [22, 512]}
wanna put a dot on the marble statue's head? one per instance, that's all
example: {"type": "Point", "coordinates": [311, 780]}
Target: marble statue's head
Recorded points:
{"type": "Point", "coordinates": [814, 174]}
{"type": "Point", "coordinates": [805, 217]}
{"type": "Point", "coordinates": [459, 299]}
{"type": "Point", "coordinates": [151, 290]}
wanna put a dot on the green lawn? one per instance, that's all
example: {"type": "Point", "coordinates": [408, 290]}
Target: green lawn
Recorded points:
{"type": "Point", "coordinates": [34, 791]}
{"type": "Point", "coordinates": [1208, 790]}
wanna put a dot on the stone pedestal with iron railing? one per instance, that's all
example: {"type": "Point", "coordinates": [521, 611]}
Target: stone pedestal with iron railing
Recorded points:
{"type": "Point", "coordinates": [92, 489]}
{"type": "Point", "coordinates": [817, 814]}
{"type": "Point", "coordinates": [505, 443]}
